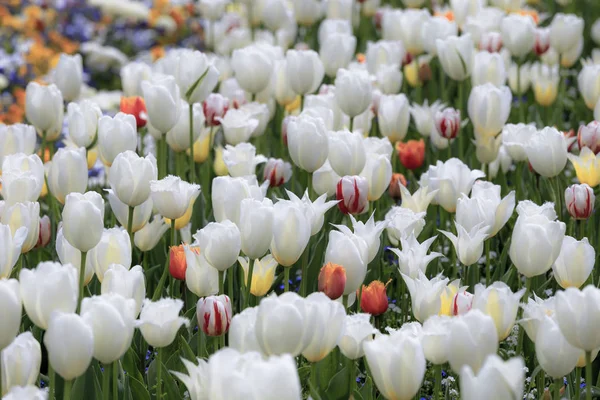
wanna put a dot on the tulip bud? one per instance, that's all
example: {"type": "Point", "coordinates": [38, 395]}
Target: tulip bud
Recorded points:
{"type": "Point", "coordinates": [116, 135]}
{"type": "Point", "coordinates": [589, 136]}
{"type": "Point", "coordinates": [22, 178]}
{"type": "Point", "coordinates": [353, 91]}
{"type": "Point", "coordinates": [70, 344]}
{"type": "Point", "coordinates": [45, 233]}
{"type": "Point", "coordinates": [456, 55]}
{"type": "Point", "coordinates": [83, 122]}
{"type": "Point", "coordinates": [542, 41]}
{"type": "Point", "coordinates": [220, 242]}
{"type": "Point", "coordinates": [68, 173]}
{"type": "Point", "coordinates": [215, 314]}
{"type": "Point", "coordinates": [374, 298]}
{"type": "Point", "coordinates": [11, 311]}
{"type": "Point", "coordinates": [52, 284]}
{"type": "Point", "coordinates": [44, 109]}
{"type": "Point", "coordinates": [447, 122]}
{"type": "Point", "coordinates": [68, 75]}
{"type": "Point", "coordinates": [305, 70]}
{"type": "Point", "coordinates": [332, 280]}
{"type": "Point", "coordinates": [580, 200]}
{"type": "Point", "coordinates": [135, 106]}
{"type": "Point", "coordinates": [394, 188]}
{"type": "Point", "coordinates": [16, 138]}
{"type": "Point", "coordinates": [114, 248]}
{"type": "Point", "coordinates": [215, 106]}
{"type": "Point", "coordinates": [489, 97]}
{"type": "Point", "coordinates": [291, 232]}
{"type": "Point", "coordinates": [346, 152]}
{"type": "Point", "coordinates": [163, 103]}
{"type": "Point", "coordinates": [462, 303]}
{"type": "Point", "coordinates": [518, 34]}
{"type": "Point", "coordinates": [352, 192]}
{"type": "Point", "coordinates": [132, 75]}
{"type": "Point", "coordinates": [411, 153]}
{"type": "Point", "coordinates": [565, 32]}
{"type": "Point", "coordinates": [302, 131]}
{"type": "Point", "coordinates": [394, 116]}
{"type": "Point", "coordinates": [277, 172]}
{"type": "Point", "coordinates": [159, 321]}
{"type": "Point", "coordinates": [177, 261]}
{"type": "Point", "coordinates": [130, 176]}
{"type": "Point", "coordinates": [378, 172]}
{"type": "Point", "coordinates": [83, 220]}
{"type": "Point", "coordinates": [252, 67]}
{"type": "Point", "coordinates": [21, 362]}
{"type": "Point", "coordinates": [490, 42]}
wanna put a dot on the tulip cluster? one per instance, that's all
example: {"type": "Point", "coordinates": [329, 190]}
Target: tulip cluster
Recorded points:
{"type": "Point", "coordinates": [299, 199]}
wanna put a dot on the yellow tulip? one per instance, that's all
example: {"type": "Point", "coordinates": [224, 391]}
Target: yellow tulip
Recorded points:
{"type": "Point", "coordinates": [411, 73]}
{"type": "Point", "coordinates": [92, 156]}
{"type": "Point", "coordinates": [294, 105]}
{"type": "Point", "coordinates": [263, 274]}
{"type": "Point", "coordinates": [545, 92]}
{"type": "Point", "coordinates": [201, 148]}
{"type": "Point", "coordinates": [219, 164]}
{"type": "Point", "coordinates": [587, 166]}
{"type": "Point", "coordinates": [447, 296]}
{"type": "Point", "coordinates": [185, 219]}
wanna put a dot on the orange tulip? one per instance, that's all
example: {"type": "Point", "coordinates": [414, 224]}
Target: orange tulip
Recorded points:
{"type": "Point", "coordinates": [135, 106]}
{"type": "Point", "coordinates": [332, 280]}
{"type": "Point", "coordinates": [177, 262]}
{"type": "Point", "coordinates": [411, 153]}
{"type": "Point", "coordinates": [394, 189]}
{"type": "Point", "coordinates": [374, 298]}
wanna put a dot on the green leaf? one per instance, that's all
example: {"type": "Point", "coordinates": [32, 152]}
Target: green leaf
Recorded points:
{"type": "Point", "coordinates": [186, 350]}
{"type": "Point", "coordinates": [366, 391]}
{"type": "Point", "coordinates": [131, 364]}
{"type": "Point", "coordinates": [338, 386]}
{"type": "Point", "coordinates": [192, 88]}
{"type": "Point", "coordinates": [138, 389]}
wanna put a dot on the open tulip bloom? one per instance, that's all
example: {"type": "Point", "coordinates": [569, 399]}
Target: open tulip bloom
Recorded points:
{"type": "Point", "coordinates": [327, 199]}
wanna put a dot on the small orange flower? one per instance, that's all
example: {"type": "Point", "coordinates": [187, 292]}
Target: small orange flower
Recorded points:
{"type": "Point", "coordinates": [157, 52]}
{"type": "Point", "coordinates": [360, 57]}
{"type": "Point", "coordinates": [394, 188]}
{"type": "Point", "coordinates": [177, 262]}
{"type": "Point", "coordinates": [135, 106]}
{"type": "Point", "coordinates": [411, 153]}
{"type": "Point", "coordinates": [374, 298]}
{"type": "Point", "coordinates": [530, 12]}
{"type": "Point", "coordinates": [448, 14]}
{"type": "Point", "coordinates": [332, 280]}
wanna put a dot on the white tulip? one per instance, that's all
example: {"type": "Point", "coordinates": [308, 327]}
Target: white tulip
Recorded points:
{"type": "Point", "coordinates": [47, 288]}
{"type": "Point", "coordinates": [68, 75]}
{"type": "Point", "coordinates": [116, 135]}
{"type": "Point", "coordinates": [159, 321]}
{"type": "Point", "coordinates": [162, 97]}
{"type": "Point", "coordinates": [68, 173]}
{"type": "Point", "coordinates": [83, 122]}
{"type": "Point", "coordinates": [357, 331]}
{"type": "Point", "coordinates": [497, 379]}
{"type": "Point", "coordinates": [129, 283]}
{"type": "Point", "coordinates": [326, 318]}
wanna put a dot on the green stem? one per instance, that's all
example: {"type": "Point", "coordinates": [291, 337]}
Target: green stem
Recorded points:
{"type": "Point", "coordinates": [173, 234]}
{"type": "Point", "coordinates": [345, 301]}
{"type": "Point", "coordinates": [81, 278]}
{"type": "Point", "coordinates": [557, 385]}
{"type": "Point", "coordinates": [159, 374]}
{"type": "Point", "coordinates": [230, 277]}
{"type": "Point", "coordinates": [67, 390]}
{"type": "Point", "coordinates": [487, 263]}
{"type": "Point", "coordinates": [304, 282]}
{"type": "Point", "coordinates": [18, 267]}
{"type": "Point", "coordinates": [520, 94]}
{"type": "Point", "coordinates": [52, 378]}
{"type": "Point", "coordinates": [521, 330]}
{"type": "Point", "coordinates": [313, 374]}
{"type": "Point", "coordinates": [286, 278]}
{"type": "Point", "coordinates": [461, 137]}
{"type": "Point", "coordinates": [192, 165]}
{"type": "Point", "coordinates": [115, 377]}
{"type": "Point", "coordinates": [577, 382]}
{"type": "Point", "coordinates": [351, 123]}
{"type": "Point", "coordinates": [438, 382]}
{"type": "Point", "coordinates": [248, 282]}
{"type": "Point", "coordinates": [106, 382]}
{"type": "Point", "coordinates": [588, 375]}
{"type": "Point", "coordinates": [221, 282]}
{"type": "Point", "coordinates": [130, 225]}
